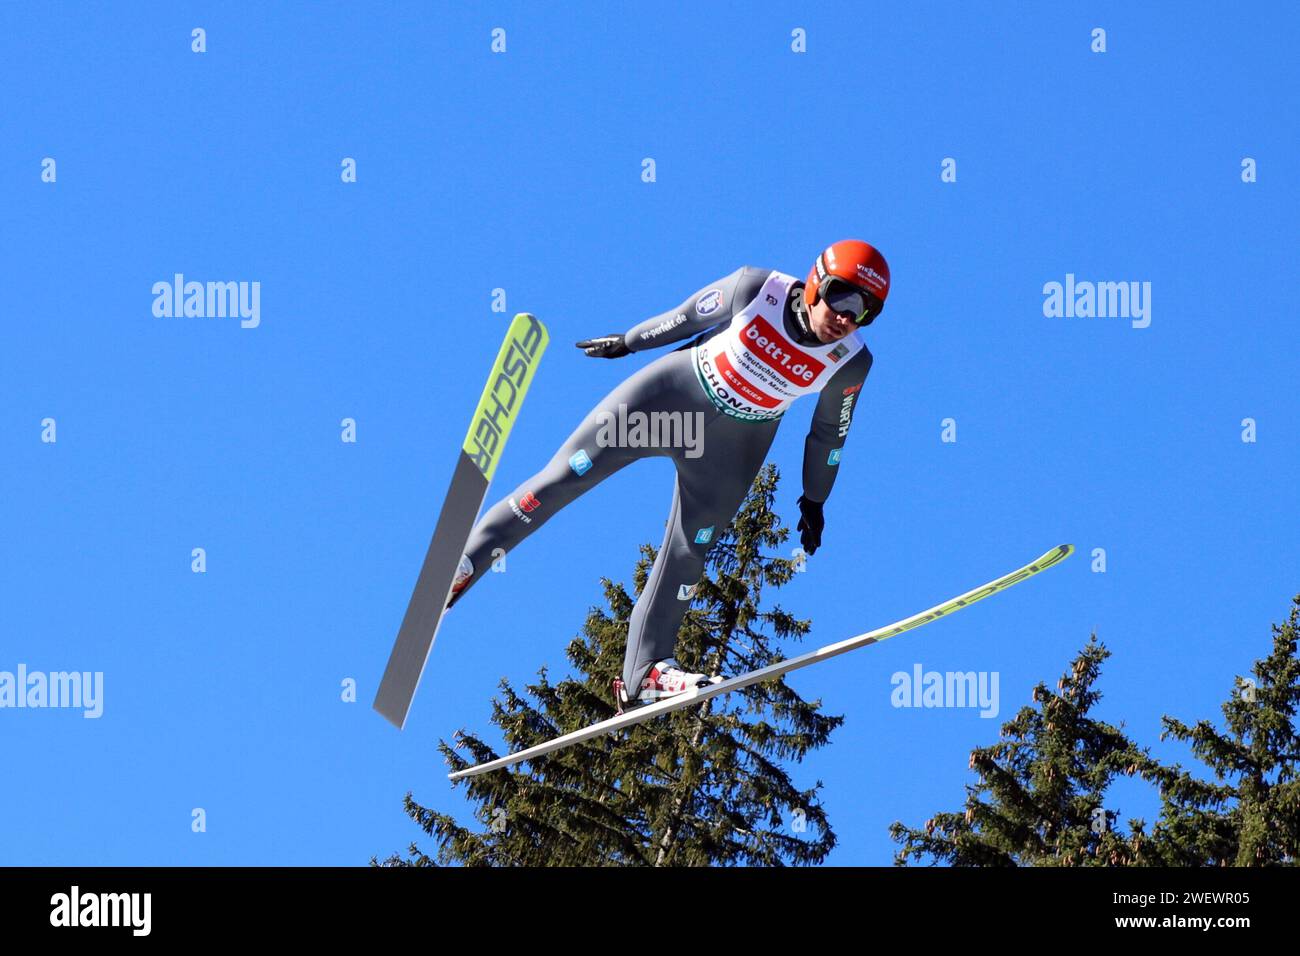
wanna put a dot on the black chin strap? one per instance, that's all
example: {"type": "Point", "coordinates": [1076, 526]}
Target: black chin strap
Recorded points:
{"type": "Point", "coordinates": [799, 319]}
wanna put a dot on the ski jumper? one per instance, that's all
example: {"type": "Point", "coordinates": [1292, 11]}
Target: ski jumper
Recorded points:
{"type": "Point", "coordinates": [755, 356]}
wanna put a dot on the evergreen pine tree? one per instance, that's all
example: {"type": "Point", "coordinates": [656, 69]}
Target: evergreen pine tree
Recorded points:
{"type": "Point", "coordinates": [1039, 798]}
{"type": "Point", "coordinates": [704, 785]}
{"type": "Point", "coordinates": [1046, 782]}
{"type": "Point", "coordinates": [1249, 815]}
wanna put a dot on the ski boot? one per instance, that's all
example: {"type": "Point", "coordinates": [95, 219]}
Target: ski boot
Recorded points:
{"type": "Point", "coordinates": [665, 679]}
{"type": "Point", "coordinates": [464, 572]}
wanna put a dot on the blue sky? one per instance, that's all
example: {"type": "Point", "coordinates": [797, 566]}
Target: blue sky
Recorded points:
{"type": "Point", "coordinates": [522, 171]}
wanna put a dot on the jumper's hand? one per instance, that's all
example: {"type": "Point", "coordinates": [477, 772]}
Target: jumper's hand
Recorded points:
{"type": "Point", "coordinates": [605, 346]}
{"type": "Point", "coordinates": [811, 523]}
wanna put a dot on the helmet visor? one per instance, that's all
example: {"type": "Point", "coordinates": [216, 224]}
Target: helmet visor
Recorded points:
{"type": "Point", "coordinates": [848, 299]}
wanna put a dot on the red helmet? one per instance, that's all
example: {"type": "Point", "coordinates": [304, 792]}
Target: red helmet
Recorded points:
{"type": "Point", "coordinates": [850, 266]}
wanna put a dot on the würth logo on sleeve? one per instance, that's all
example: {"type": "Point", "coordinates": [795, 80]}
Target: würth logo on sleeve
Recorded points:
{"type": "Point", "coordinates": [846, 410]}
{"type": "Point", "coordinates": [527, 503]}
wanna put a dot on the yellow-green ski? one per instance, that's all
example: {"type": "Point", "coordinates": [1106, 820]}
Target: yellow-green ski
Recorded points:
{"type": "Point", "coordinates": [497, 411]}
{"type": "Point", "coordinates": [700, 694]}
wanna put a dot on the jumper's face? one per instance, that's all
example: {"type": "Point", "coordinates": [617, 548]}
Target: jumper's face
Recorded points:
{"type": "Point", "coordinates": [829, 326]}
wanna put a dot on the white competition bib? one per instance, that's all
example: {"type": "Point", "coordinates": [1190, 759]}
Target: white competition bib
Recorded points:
{"type": "Point", "coordinates": [752, 370]}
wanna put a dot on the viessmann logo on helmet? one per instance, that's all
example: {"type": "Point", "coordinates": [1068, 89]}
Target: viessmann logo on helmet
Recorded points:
{"type": "Point", "coordinates": [710, 302]}
{"type": "Point", "coordinates": [872, 277]}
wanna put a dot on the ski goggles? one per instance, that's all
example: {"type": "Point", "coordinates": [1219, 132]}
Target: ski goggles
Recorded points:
{"type": "Point", "coordinates": [851, 300]}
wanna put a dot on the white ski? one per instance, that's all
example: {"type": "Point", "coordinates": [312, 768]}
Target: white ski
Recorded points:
{"type": "Point", "coordinates": [701, 694]}
{"type": "Point", "coordinates": [498, 407]}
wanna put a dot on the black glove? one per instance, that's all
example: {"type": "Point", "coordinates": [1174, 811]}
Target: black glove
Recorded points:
{"type": "Point", "coordinates": [605, 346]}
{"type": "Point", "coordinates": [811, 523]}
